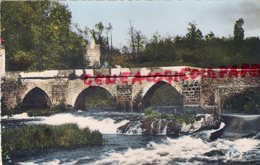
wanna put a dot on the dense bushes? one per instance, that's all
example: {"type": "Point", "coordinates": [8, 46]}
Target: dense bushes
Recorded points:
{"type": "Point", "coordinates": [150, 113]}
{"type": "Point", "coordinates": [16, 141]}
{"type": "Point", "coordinates": [38, 36]}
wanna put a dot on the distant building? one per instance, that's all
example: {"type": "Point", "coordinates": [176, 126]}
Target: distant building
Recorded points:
{"type": "Point", "coordinates": [93, 54]}
{"type": "Point", "coordinates": [2, 57]}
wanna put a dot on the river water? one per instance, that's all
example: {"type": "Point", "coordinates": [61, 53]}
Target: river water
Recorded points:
{"type": "Point", "coordinates": [134, 148]}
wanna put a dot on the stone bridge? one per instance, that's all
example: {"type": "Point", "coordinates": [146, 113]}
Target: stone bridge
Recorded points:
{"type": "Point", "coordinates": [199, 88]}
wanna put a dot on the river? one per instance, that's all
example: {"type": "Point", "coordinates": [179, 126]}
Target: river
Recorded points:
{"type": "Point", "coordinates": [233, 147]}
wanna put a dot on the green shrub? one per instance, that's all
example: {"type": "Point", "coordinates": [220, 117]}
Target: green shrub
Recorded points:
{"type": "Point", "coordinates": [39, 137]}
{"type": "Point", "coordinates": [183, 118]}
{"type": "Point", "coordinates": [151, 113]}
{"type": "Point", "coordinates": [187, 117]}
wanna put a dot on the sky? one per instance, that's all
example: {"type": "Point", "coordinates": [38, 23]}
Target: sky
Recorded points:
{"type": "Point", "coordinates": [167, 17]}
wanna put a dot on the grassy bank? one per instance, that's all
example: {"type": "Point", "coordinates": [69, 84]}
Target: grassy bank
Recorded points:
{"type": "Point", "coordinates": [150, 113]}
{"type": "Point", "coordinates": [30, 138]}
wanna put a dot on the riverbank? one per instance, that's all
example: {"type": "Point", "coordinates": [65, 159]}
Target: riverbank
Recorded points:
{"type": "Point", "coordinates": [24, 140]}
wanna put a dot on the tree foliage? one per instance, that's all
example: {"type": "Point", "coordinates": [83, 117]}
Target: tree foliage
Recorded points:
{"type": "Point", "coordinates": [194, 49]}
{"type": "Point", "coordinates": [38, 36]}
{"type": "Point", "coordinates": [193, 33]}
{"type": "Point", "coordinates": [238, 29]}
{"type": "Point", "coordinates": [136, 43]}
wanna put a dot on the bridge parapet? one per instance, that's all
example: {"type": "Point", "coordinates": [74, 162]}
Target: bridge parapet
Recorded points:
{"type": "Point", "coordinates": [94, 72]}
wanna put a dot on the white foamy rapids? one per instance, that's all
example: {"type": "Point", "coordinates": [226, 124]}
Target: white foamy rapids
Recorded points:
{"type": "Point", "coordinates": [160, 130]}
{"type": "Point", "coordinates": [134, 129]}
{"type": "Point", "coordinates": [207, 133]}
{"type": "Point", "coordinates": [52, 162]}
{"type": "Point", "coordinates": [184, 147]}
{"type": "Point", "coordinates": [245, 117]}
{"type": "Point", "coordinates": [105, 126]}
{"type": "Point", "coordinates": [17, 116]}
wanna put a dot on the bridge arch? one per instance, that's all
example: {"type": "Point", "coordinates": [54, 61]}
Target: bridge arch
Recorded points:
{"type": "Point", "coordinates": [149, 91]}
{"type": "Point", "coordinates": [94, 92]}
{"type": "Point", "coordinates": [243, 100]}
{"type": "Point", "coordinates": [151, 84]}
{"type": "Point", "coordinates": [32, 86]}
{"type": "Point", "coordinates": [36, 98]}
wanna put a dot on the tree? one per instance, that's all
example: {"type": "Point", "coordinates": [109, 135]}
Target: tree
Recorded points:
{"type": "Point", "coordinates": [156, 38]}
{"type": "Point", "coordinates": [109, 29]}
{"type": "Point", "coordinates": [137, 42]}
{"type": "Point", "coordinates": [99, 32]}
{"type": "Point", "coordinates": [238, 29]}
{"type": "Point", "coordinates": [140, 43]}
{"type": "Point", "coordinates": [192, 44]}
{"type": "Point", "coordinates": [38, 36]}
{"type": "Point", "coordinates": [193, 33]}
{"type": "Point", "coordinates": [210, 36]}
{"type": "Point", "coordinates": [125, 50]}
{"type": "Point", "coordinates": [23, 59]}
{"type": "Point", "coordinates": [132, 38]}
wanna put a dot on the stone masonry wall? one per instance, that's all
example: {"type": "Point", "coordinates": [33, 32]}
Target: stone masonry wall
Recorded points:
{"type": "Point", "coordinates": [215, 91]}
{"type": "Point", "coordinates": [191, 92]}
{"type": "Point", "coordinates": [65, 86]}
